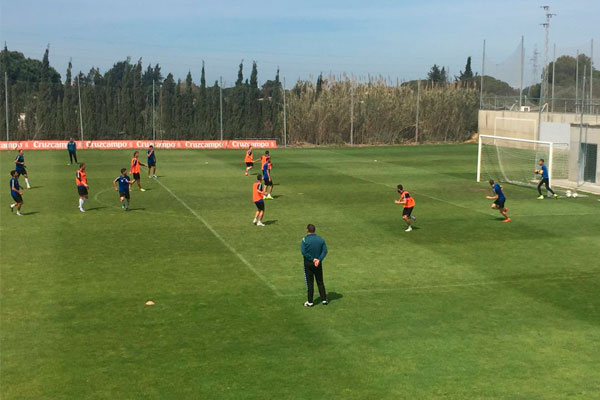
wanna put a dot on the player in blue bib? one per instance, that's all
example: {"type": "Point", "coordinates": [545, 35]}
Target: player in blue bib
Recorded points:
{"type": "Point", "coordinates": [122, 184]}
{"type": "Point", "coordinates": [543, 171]}
{"type": "Point", "coordinates": [499, 200]}
{"type": "Point", "coordinates": [266, 170]}
{"type": "Point", "coordinates": [15, 192]}
{"type": "Point", "coordinates": [20, 167]}
{"type": "Point", "coordinates": [151, 162]}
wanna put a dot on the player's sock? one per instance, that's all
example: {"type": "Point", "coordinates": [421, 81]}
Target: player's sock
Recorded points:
{"type": "Point", "coordinates": [27, 182]}
{"type": "Point", "coordinates": [80, 203]}
{"type": "Point", "coordinates": [254, 221]}
{"type": "Point", "coordinates": [13, 205]}
{"type": "Point", "coordinates": [408, 229]}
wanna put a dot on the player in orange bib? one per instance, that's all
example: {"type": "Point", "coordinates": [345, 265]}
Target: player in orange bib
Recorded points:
{"type": "Point", "coordinates": [264, 159]}
{"type": "Point", "coordinates": [135, 169]}
{"type": "Point", "coordinates": [409, 203]}
{"type": "Point", "coordinates": [82, 185]}
{"type": "Point", "coordinates": [258, 193]}
{"type": "Point", "coordinates": [249, 160]}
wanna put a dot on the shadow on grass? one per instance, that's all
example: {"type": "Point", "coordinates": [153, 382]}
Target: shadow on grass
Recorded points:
{"type": "Point", "coordinates": [95, 208]}
{"type": "Point", "coordinates": [277, 196]}
{"type": "Point", "coordinates": [271, 222]}
{"type": "Point", "coordinates": [331, 296]}
{"type": "Point", "coordinates": [35, 187]}
{"type": "Point", "coordinates": [30, 213]}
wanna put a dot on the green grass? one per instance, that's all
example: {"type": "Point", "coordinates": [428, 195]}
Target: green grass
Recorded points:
{"type": "Point", "coordinates": [463, 307]}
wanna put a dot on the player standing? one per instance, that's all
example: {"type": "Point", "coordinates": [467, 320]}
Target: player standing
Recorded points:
{"type": "Point", "coordinates": [151, 162]}
{"type": "Point", "coordinates": [123, 188]}
{"type": "Point", "coordinates": [409, 203]}
{"type": "Point", "coordinates": [249, 160]}
{"type": "Point", "coordinates": [499, 200]}
{"type": "Point", "coordinates": [545, 180]}
{"type": "Point", "coordinates": [135, 169]}
{"type": "Point", "coordinates": [72, 149]}
{"type": "Point", "coordinates": [15, 192]}
{"type": "Point", "coordinates": [20, 167]}
{"type": "Point", "coordinates": [258, 192]}
{"type": "Point", "coordinates": [268, 181]}
{"type": "Point", "coordinates": [82, 185]}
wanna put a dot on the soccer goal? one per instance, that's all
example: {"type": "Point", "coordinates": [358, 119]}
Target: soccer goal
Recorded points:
{"type": "Point", "coordinates": [514, 160]}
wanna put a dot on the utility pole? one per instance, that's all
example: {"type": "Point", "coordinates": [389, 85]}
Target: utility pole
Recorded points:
{"type": "Point", "coordinates": [221, 105]}
{"type": "Point", "coordinates": [522, 71]}
{"type": "Point", "coordinates": [352, 114]}
{"type": "Point", "coordinates": [544, 87]}
{"type": "Point", "coordinates": [577, 82]}
{"type": "Point", "coordinates": [553, 74]}
{"type": "Point", "coordinates": [284, 117]}
{"type": "Point", "coordinates": [6, 101]}
{"type": "Point", "coordinates": [534, 67]}
{"type": "Point", "coordinates": [153, 114]}
{"type": "Point", "coordinates": [80, 111]}
{"type": "Point", "coordinates": [417, 117]}
{"type": "Point", "coordinates": [592, 77]}
{"type": "Point", "coordinates": [482, 74]}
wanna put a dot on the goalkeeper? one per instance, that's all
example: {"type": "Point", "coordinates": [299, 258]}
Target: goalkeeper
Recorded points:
{"type": "Point", "coordinates": [544, 181]}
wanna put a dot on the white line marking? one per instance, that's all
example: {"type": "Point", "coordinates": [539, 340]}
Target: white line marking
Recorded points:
{"type": "Point", "coordinates": [459, 285]}
{"type": "Point", "coordinates": [229, 247]}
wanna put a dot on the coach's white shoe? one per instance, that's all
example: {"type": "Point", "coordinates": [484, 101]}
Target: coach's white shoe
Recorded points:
{"type": "Point", "coordinates": [259, 223]}
{"type": "Point", "coordinates": [408, 229]}
{"type": "Point", "coordinates": [81, 209]}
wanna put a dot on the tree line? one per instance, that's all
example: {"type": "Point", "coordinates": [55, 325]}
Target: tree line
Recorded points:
{"type": "Point", "coordinates": [130, 101]}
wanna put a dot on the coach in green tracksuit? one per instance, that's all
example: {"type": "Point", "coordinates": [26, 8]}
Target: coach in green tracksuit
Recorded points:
{"type": "Point", "coordinates": [313, 250]}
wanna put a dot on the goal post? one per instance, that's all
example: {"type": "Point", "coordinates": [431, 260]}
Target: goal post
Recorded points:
{"type": "Point", "coordinates": [514, 160]}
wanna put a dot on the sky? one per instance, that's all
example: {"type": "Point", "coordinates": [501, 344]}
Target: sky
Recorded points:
{"type": "Point", "coordinates": [398, 39]}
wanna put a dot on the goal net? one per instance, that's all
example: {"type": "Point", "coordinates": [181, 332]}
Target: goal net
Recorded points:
{"type": "Point", "coordinates": [514, 160]}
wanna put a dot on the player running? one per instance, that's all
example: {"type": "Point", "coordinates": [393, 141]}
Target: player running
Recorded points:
{"type": "Point", "coordinates": [499, 200]}
{"type": "Point", "coordinates": [258, 192]}
{"type": "Point", "coordinates": [409, 203]}
{"type": "Point", "coordinates": [249, 160]}
{"type": "Point", "coordinates": [15, 192]}
{"type": "Point", "coordinates": [123, 188]}
{"type": "Point", "coordinates": [268, 181]}
{"type": "Point", "coordinates": [135, 169]}
{"type": "Point", "coordinates": [20, 167]}
{"type": "Point", "coordinates": [82, 185]}
{"type": "Point", "coordinates": [151, 162]}
{"type": "Point", "coordinates": [545, 180]}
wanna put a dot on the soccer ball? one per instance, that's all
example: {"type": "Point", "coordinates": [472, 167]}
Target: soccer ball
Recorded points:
{"type": "Point", "coordinates": [568, 193]}
{"type": "Point", "coordinates": [575, 194]}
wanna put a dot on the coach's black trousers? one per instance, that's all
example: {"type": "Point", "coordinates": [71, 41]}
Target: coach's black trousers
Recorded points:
{"type": "Point", "coordinates": [311, 274]}
{"type": "Point", "coordinates": [72, 155]}
{"type": "Point", "coordinates": [542, 182]}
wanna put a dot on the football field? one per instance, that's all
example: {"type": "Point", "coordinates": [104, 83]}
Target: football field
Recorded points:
{"type": "Point", "coordinates": [463, 307]}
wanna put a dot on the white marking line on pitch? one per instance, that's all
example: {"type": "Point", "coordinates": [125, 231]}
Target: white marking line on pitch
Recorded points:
{"type": "Point", "coordinates": [229, 247]}
{"type": "Point", "coordinates": [459, 285]}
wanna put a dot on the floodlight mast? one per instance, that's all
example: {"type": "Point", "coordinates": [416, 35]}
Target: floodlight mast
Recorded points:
{"type": "Point", "coordinates": [544, 86]}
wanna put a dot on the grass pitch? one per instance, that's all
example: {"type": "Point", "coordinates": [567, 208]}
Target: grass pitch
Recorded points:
{"type": "Point", "coordinates": [463, 307]}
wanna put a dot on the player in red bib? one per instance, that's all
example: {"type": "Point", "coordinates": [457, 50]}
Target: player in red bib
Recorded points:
{"type": "Point", "coordinates": [409, 203]}
{"type": "Point", "coordinates": [135, 169]}
{"type": "Point", "coordinates": [249, 160]}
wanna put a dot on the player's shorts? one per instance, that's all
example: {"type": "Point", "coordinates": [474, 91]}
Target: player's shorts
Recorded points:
{"type": "Point", "coordinates": [17, 197]}
{"type": "Point", "coordinates": [260, 205]}
{"type": "Point", "coordinates": [499, 203]}
{"type": "Point", "coordinates": [151, 163]}
{"type": "Point", "coordinates": [124, 194]}
{"type": "Point", "coordinates": [82, 190]}
{"type": "Point", "coordinates": [407, 211]}
{"type": "Point", "coordinates": [21, 172]}
{"type": "Point", "coordinates": [249, 164]}
{"type": "Point", "coordinates": [268, 182]}
{"type": "Point", "coordinates": [136, 176]}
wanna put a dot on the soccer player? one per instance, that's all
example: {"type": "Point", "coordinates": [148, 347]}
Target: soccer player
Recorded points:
{"type": "Point", "coordinates": [314, 250]}
{"type": "Point", "coordinates": [15, 192]}
{"type": "Point", "coordinates": [258, 192]}
{"type": "Point", "coordinates": [82, 185]}
{"type": "Point", "coordinates": [264, 159]}
{"type": "Point", "coordinates": [499, 200]}
{"type": "Point", "coordinates": [249, 160]}
{"type": "Point", "coordinates": [20, 167]}
{"type": "Point", "coordinates": [544, 181]}
{"type": "Point", "coordinates": [409, 203]}
{"type": "Point", "coordinates": [151, 162]}
{"type": "Point", "coordinates": [72, 149]}
{"type": "Point", "coordinates": [135, 169]}
{"type": "Point", "coordinates": [268, 181]}
{"type": "Point", "coordinates": [123, 188]}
